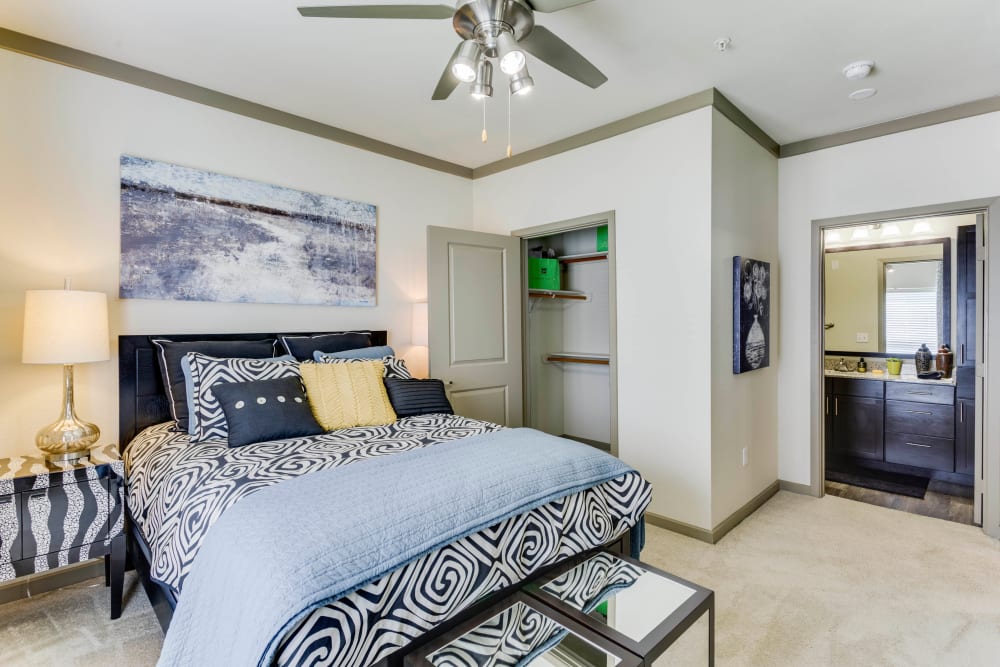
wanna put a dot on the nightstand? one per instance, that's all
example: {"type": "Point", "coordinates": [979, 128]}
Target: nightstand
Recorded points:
{"type": "Point", "coordinates": [55, 514]}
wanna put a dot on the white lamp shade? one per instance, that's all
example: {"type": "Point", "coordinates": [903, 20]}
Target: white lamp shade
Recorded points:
{"type": "Point", "coordinates": [418, 334]}
{"type": "Point", "coordinates": [65, 327]}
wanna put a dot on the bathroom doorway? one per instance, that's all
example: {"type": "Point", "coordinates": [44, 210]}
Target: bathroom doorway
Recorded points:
{"type": "Point", "coordinates": [901, 323]}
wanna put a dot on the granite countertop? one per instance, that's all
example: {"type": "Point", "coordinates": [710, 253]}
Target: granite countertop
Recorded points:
{"type": "Point", "coordinates": [885, 377]}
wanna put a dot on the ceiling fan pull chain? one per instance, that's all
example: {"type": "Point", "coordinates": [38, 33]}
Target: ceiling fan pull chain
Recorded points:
{"type": "Point", "coordinates": [509, 95]}
{"type": "Point", "coordinates": [484, 120]}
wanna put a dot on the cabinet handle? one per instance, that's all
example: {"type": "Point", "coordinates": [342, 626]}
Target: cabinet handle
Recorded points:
{"type": "Point", "coordinates": [836, 407]}
{"type": "Point", "coordinates": [961, 412]}
{"type": "Point", "coordinates": [827, 405]}
{"type": "Point", "coordinates": [963, 354]}
{"type": "Point", "coordinates": [917, 444]}
{"type": "Point", "coordinates": [919, 412]}
{"type": "Point", "coordinates": [6, 499]}
{"type": "Point", "coordinates": [919, 393]}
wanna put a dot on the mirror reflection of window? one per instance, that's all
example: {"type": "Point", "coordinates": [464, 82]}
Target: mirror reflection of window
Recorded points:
{"type": "Point", "coordinates": [912, 301]}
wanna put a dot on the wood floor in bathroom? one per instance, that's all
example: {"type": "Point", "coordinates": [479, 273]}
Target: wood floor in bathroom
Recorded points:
{"type": "Point", "coordinates": [942, 500]}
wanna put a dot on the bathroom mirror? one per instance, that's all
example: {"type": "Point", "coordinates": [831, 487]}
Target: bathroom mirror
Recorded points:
{"type": "Point", "coordinates": [885, 300]}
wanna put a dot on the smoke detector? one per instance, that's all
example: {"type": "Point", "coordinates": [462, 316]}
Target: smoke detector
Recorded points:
{"type": "Point", "coordinates": [859, 70]}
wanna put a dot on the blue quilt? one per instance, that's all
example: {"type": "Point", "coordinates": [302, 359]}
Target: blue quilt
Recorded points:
{"type": "Point", "coordinates": [316, 538]}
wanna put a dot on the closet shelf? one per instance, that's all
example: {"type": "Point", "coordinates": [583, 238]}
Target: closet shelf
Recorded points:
{"type": "Point", "coordinates": [574, 358]}
{"type": "Point", "coordinates": [584, 257]}
{"type": "Point", "coordinates": [556, 294]}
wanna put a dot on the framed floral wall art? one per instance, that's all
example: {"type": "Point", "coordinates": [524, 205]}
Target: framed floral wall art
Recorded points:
{"type": "Point", "coordinates": [751, 314]}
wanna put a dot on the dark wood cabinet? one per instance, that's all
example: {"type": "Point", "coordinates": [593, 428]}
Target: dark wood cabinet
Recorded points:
{"type": "Point", "coordinates": [857, 427]}
{"type": "Point", "coordinates": [965, 436]}
{"type": "Point", "coordinates": [900, 423]}
{"type": "Point", "coordinates": [965, 335]}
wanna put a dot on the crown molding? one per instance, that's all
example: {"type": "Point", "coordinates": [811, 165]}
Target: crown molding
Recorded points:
{"type": "Point", "coordinates": [113, 69]}
{"type": "Point", "coordinates": [119, 71]}
{"type": "Point", "coordinates": [957, 112]}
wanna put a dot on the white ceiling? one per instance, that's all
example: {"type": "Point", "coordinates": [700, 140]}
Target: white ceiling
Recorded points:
{"type": "Point", "coordinates": [376, 77]}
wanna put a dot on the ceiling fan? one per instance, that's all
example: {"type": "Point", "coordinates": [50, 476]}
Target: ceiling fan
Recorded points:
{"type": "Point", "coordinates": [499, 29]}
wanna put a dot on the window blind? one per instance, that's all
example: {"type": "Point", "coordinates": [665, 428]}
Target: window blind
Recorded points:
{"type": "Point", "coordinates": [910, 320]}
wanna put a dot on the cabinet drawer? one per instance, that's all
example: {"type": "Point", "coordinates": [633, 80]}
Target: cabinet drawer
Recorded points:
{"type": "Point", "coordinates": [10, 529]}
{"type": "Point", "coordinates": [64, 517]}
{"type": "Point", "coordinates": [920, 451]}
{"type": "Point", "coordinates": [868, 388]}
{"type": "Point", "coordinates": [922, 393]}
{"type": "Point", "coordinates": [924, 418]}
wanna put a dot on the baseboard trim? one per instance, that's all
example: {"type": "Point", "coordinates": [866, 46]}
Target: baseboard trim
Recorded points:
{"type": "Point", "coordinates": [681, 527]}
{"type": "Point", "coordinates": [43, 582]}
{"type": "Point", "coordinates": [795, 487]}
{"type": "Point", "coordinates": [724, 526]}
{"type": "Point", "coordinates": [734, 519]}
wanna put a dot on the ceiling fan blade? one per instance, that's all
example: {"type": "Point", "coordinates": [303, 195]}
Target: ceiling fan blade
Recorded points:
{"type": "Point", "coordinates": [544, 45]}
{"type": "Point", "coordinates": [448, 81]}
{"type": "Point", "coordinates": [381, 12]}
{"type": "Point", "coordinates": [548, 6]}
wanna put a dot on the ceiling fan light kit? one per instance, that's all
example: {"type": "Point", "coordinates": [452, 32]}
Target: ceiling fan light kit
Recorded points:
{"type": "Point", "coordinates": [501, 29]}
{"type": "Point", "coordinates": [482, 87]}
{"type": "Point", "coordinates": [512, 59]}
{"type": "Point", "coordinates": [521, 82]}
{"type": "Point", "coordinates": [504, 30]}
{"type": "Point", "coordinates": [463, 64]}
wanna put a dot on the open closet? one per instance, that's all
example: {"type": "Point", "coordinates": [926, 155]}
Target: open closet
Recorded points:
{"type": "Point", "coordinates": [568, 308]}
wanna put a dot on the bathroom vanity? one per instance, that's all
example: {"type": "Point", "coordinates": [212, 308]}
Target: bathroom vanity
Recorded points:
{"type": "Point", "coordinates": [898, 421]}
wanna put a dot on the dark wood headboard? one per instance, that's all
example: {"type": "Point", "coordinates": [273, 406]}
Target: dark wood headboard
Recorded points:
{"type": "Point", "coordinates": [142, 398]}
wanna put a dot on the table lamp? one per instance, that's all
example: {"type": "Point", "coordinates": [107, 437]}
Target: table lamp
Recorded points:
{"type": "Point", "coordinates": [66, 327]}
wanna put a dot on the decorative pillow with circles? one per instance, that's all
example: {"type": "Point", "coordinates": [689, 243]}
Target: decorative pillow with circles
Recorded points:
{"type": "Point", "coordinates": [207, 372]}
{"type": "Point", "coordinates": [265, 410]}
{"type": "Point", "coordinates": [395, 367]}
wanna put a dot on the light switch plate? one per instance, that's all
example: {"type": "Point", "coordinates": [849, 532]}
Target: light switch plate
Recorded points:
{"type": "Point", "coordinates": [861, 337]}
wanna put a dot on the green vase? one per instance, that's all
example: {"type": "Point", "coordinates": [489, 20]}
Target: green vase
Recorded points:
{"type": "Point", "coordinates": [894, 366]}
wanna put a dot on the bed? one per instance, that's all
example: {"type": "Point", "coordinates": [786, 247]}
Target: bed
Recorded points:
{"type": "Point", "coordinates": [177, 490]}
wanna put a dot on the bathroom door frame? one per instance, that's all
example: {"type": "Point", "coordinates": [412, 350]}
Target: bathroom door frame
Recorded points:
{"type": "Point", "coordinates": [987, 374]}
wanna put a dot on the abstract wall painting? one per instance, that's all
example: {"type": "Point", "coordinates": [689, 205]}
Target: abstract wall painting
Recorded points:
{"type": "Point", "coordinates": [751, 314]}
{"type": "Point", "coordinates": [194, 235]}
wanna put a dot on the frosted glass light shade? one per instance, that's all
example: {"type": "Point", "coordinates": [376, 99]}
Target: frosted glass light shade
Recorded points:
{"type": "Point", "coordinates": [418, 334]}
{"type": "Point", "coordinates": [65, 327]}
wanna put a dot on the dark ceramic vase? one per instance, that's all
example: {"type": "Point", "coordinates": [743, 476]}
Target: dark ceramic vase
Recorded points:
{"type": "Point", "coordinates": [922, 359]}
{"type": "Point", "coordinates": [945, 361]}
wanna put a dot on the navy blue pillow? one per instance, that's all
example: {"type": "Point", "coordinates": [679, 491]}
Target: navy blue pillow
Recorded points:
{"type": "Point", "coordinates": [169, 353]}
{"type": "Point", "coordinates": [266, 410]}
{"type": "Point", "coordinates": [302, 347]}
{"type": "Point", "coordinates": [412, 397]}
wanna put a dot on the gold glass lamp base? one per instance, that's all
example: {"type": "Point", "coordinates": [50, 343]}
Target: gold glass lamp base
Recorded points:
{"type": "Point", "coordinates": [68, 438]}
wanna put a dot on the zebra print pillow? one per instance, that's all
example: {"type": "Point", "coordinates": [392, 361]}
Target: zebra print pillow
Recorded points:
{"type": "Point", "coordinates": [394, 366]}
{"type": "Point", "coordinates": [209, 420]}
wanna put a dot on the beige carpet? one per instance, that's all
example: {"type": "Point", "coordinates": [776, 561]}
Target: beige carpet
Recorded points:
{"type": "Point", "coordinates": [802, 582]}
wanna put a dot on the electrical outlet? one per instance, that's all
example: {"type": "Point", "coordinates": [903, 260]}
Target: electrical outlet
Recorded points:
{"type": "Point", "coordinates": [746, 457]}
{"type": "Point", "coordinates": [861, 337]}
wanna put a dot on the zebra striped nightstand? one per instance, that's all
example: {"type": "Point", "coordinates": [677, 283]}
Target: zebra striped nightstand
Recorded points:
{"type": "Point", "coordinates": [55, 514]}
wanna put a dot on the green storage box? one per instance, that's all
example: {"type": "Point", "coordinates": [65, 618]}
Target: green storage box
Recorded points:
{"type": "Point", "coordinates": [543, 273]}
{"type": "Point", "coordinates": [602, 239]}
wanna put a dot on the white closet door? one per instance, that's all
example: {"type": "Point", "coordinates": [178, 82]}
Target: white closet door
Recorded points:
{"type": "Point", "coordinates": [474, 320]}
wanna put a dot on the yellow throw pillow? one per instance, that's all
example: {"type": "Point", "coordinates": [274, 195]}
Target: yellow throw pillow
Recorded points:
{"type": "Point", "coordinates": [347, 395]}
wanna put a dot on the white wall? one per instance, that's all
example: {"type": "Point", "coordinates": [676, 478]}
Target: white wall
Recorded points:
{"type": "Point", "coordinates": [63, 132]}
{"type": "Point", "coordinates": [657, 179]}
{"type": "Point", "coordinates": [943, 163]}
{"type": "Point", "coordinates": [745, 406]}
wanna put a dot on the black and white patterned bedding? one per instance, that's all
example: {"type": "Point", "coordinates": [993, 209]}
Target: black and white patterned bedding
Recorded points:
{"type": "Point", "coordinates": [177, 489]}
